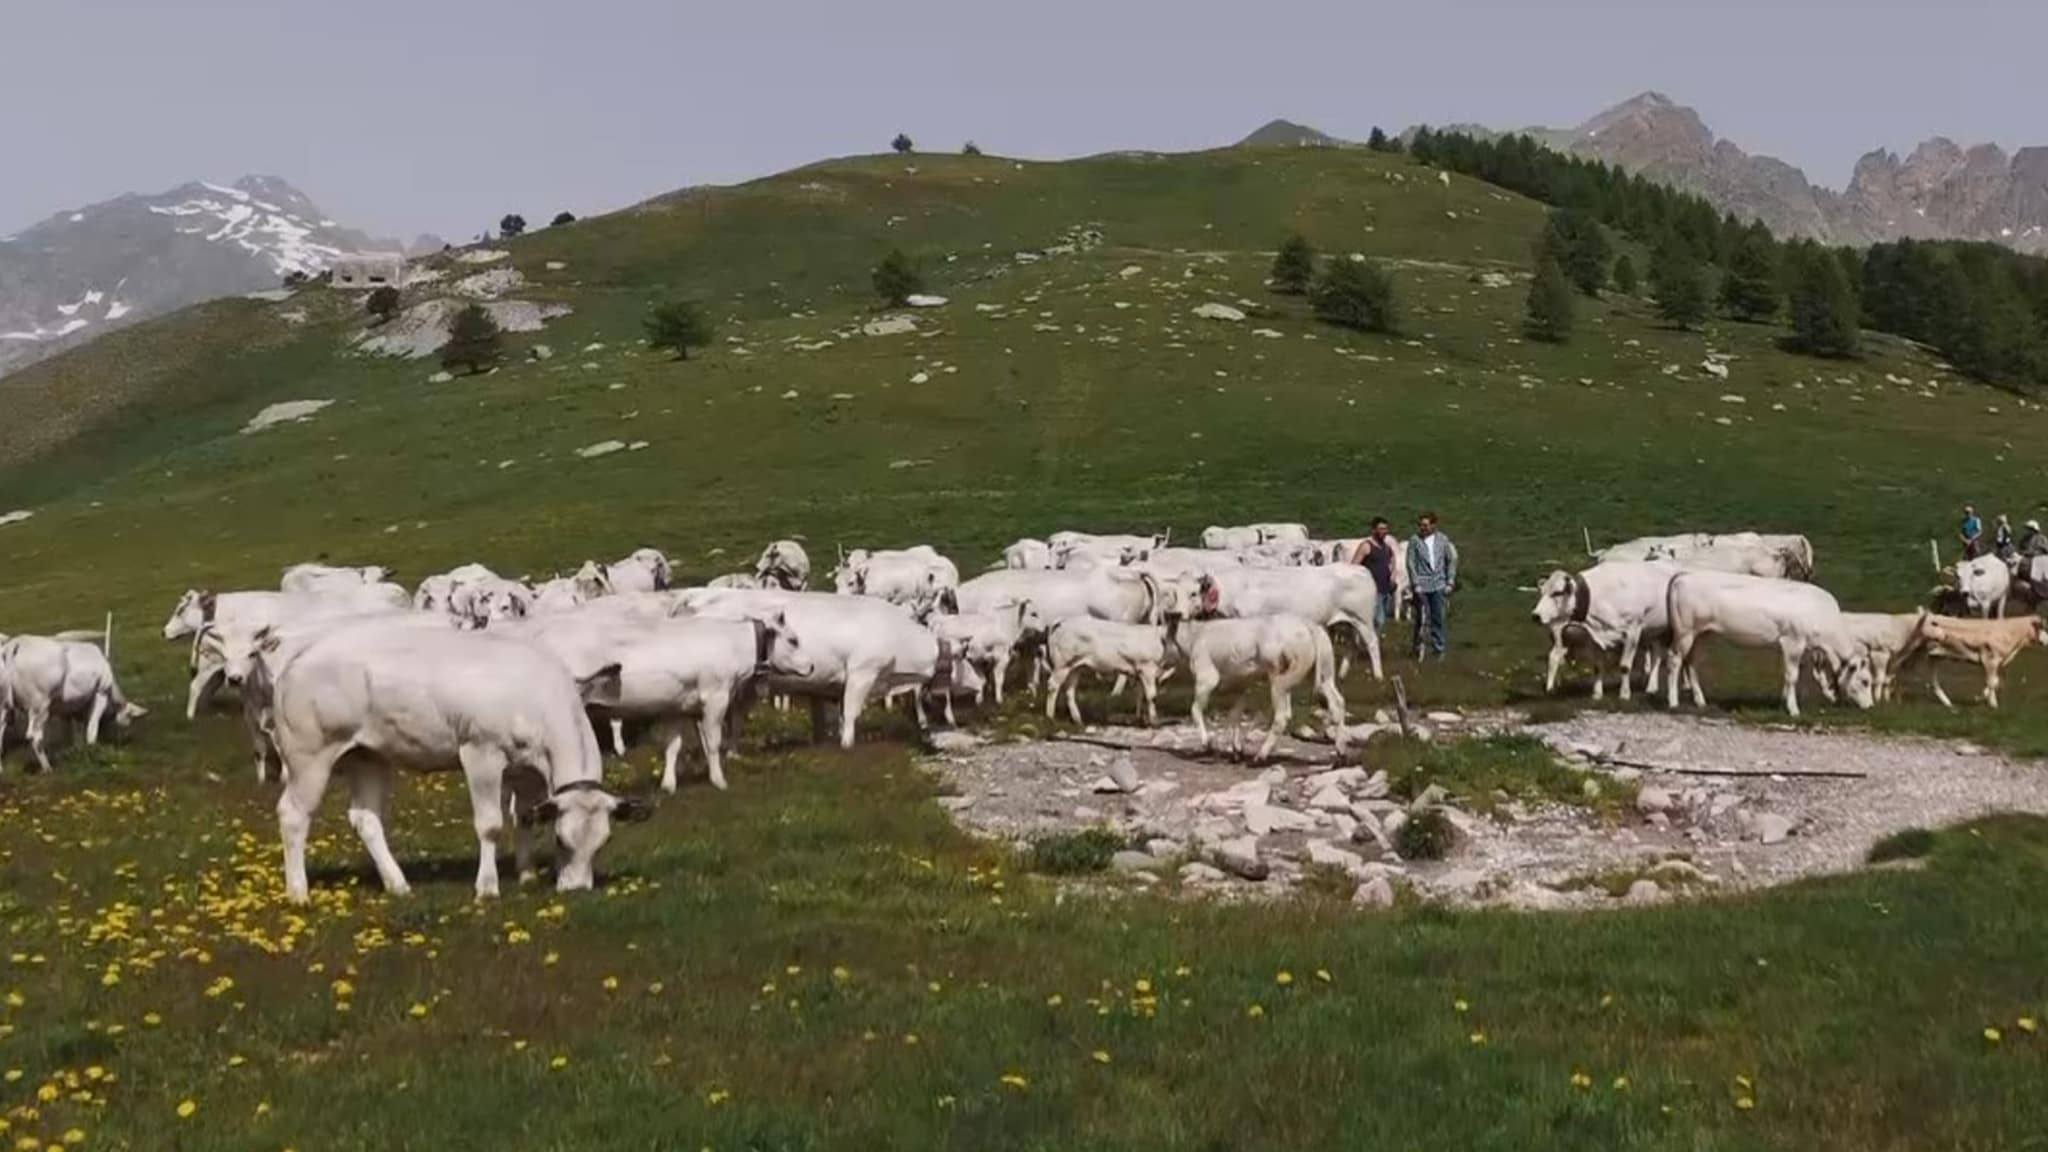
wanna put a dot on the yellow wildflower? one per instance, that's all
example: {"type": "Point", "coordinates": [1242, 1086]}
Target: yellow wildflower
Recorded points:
{"type": "Point", "coordinates": [186, 1108]}
{"type": "Point", "coordinates": [1055, 1000]}
{"type": "Point", "coordinates": [1099, 1056]}
{"type": "Point", "coordinates": [1255, 1011]}
{"type": "Point", "coordinates": [1581, 1081]}
{"type": "Point", "coordinates": [558, 1063]}
{"type": "Point", "coordinates": [1460, 1006]}
{"type": "Point", "coordinates": [1745, 1103]}
{"type": "Point", "coordinates": [611, 983]}
{"type": "Point", "coordinates": [1323, 974]}
{"type": "Point", "coordinates": [236, 1061]}
{"type": "Point", "coordinates": [841, 975]}
{"type": "Point", "coordinates": [1478, 1039]}
{"type": "Point", "coordinates": [717, 1096]}
{"type": "Point", "coordinates": [1143, 987]}
{"type": "Point", "coordinates": [74, 1136]}
{"type": "Point", "coordinates": [418, 1011]}
{"type": "Point", "coordinates": [1016, 1080]}
{"type": "Point", "coordinates": [1284, 978]}
{"type": "Point", "coordinates": [2025, 1024]}
{"type": "Point", "coordinates": [1621, 1083]}
{"type": "Point", "coordinates": [1993, 1035]}
{"type": "Point", "coordinates": [910, 1039]}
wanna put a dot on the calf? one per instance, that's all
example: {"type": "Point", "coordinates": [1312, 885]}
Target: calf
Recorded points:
{"type": "Point", "coordinates": [987, 640]}
{"type": "Point", "coordinates": [1617, 608]}
{"type": "Point", "coordinates": [1284, 649]}
{"type": "Point", "coordinates": [1138, 651]}
{"type": "Point", "coordinates": [67, 679]}
{"type": "Point", "coordinates": [1885, 639]}
{"type": "Point", "coordinates": [323, 577]}
{"type": "Point", "coordinates": [368, 699]}
{"type": "Point", "coordinates": [1761, 612]}
{"type": "Point", "coordinates": [1989, 644]}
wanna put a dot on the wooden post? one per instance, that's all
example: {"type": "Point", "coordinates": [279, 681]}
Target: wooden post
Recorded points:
{"type": "Point", "coordinates": [1401, 707]}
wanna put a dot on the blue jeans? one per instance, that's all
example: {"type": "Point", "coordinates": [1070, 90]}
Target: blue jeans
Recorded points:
{"type": "Point", "coordinates": [1382, 610]}
{"type": "Point", "coordinates": [1429, 623]}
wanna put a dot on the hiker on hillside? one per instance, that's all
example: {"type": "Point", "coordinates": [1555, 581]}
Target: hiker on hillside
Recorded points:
{"type": "Point", "coordinates": [1376, 555]}
{"type": "Point", "coordinates": [2035, 542]}
{"type": "Point", "coordinates": [1972, 534]}
{"type": "Point", "coordinates": [1432, 576]}
{"type": "Point", "coordinates": [2001, 539]}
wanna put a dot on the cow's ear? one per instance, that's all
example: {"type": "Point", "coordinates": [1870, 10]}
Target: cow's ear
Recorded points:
{"type": "Point", "coordinates": [544, 812]}
{"type": "Point", "coordinates": [266, 640]}
{"type": "Point", "coordinates": [632, 810]}
{"type": "Point", "coordinates": [206, 604]}
{"type": "Point", "coordinates": [601, 686]}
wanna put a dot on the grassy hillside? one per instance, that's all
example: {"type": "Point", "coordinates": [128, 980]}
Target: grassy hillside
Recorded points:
{"type": "Point", "coordinates": [1075, 389]}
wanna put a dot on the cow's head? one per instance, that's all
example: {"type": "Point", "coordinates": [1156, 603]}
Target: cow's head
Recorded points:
{"type": "Point", "coordinates": [128, 713]}
{"type": "Point", "coordinates": [1557, 599]}
{"type": "Point", "coordinates": [777, 648]}
{"type": "Point", "coordinates": [1031, 623]}
{"type": "Point", "coordinates": [1855, 681]}
{"type": "Point", "coordinates": [592, 581]}
{"type": "Point", "coordinates": [954, 672]}
{"type": "Point", "coordinates": [194, 609]}
{"type": "Point", "coordinates": [583, 813]}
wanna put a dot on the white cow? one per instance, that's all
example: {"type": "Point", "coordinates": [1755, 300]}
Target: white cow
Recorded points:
{"type": "Point", "coordinates": [1227, 538]}
{"type": "Point", "coordinates": [250, 611]}
{"type": "Point", "coordinates": [784, 564]}
{"type": "Point", "coordinates": [1784, 555]}
{"type": "Point", "coordinates": [1330, 596]}
{"type": "Point", "coordinates": [1887, 639]}
{"type": "Point", "coordinates": [986, 640]}
{"type": "Point", "coordinates": [1282, 554]}
{"type": "Point", "coordinates": [855, 645]}
{"type": "Point", "coordinates": [1981, 587]}
{"type": "Point", "coordinates": [1618, 608]}
{"type": "Point", "coordinates": [374, 698]}
{"type": "Point", "coordinates": [1128, 595]}
{"type": "Point", "coordinates": [646, 570]}
{"type": "Point", "coordinates": [1284, 649]}
{"type": "Point", "coordinates": [1084, 549]}
{"type": "Point", "coordinates": [436, 592]}
{"type": "Point", "coordinates": [917, 578]}
{"type": "Point", "coordinates": [67, 679]}
{"type": "Point", "coordinates": [1761, 612]}
{"type": "Point", "coordinates": [1029, 554]}
{"type": "Point", "coordinates": [1345, 551]}
{"type": "Point", "coordinates": [561, 594]}
{"type": "Point", "coordinates": [323, 577]}
{"type": "Point", "coordinates": [1191, 561]}
{"type": "Point", "coordinates": [1075, 643]}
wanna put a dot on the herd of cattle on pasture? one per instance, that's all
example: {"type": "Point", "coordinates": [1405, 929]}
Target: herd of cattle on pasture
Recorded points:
{"type": "Point", "coordinates": [341, 669]}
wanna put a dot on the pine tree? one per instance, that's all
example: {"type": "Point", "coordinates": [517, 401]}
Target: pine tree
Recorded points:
{"type": "Point", "coordinates": [1550, 304]}
{"type": "Point", "coordinates": [1677, 282]}
{"type": "Point", "coordinates": [896, 279]}
{"type": "Point", "coordinates": [678, 325]}
{"type": "Point", "coordinates": [1823, 305]}
{"type": "Point", "coordinates": [1750, 286]}
{"type": "Point", "coordinates": [970, 149]}
{"type": "Point", "coordinates": [474, 341]}
{"type": "Point", "coordinates": [1574, 239]}
{"type": "Point", "coordinates": [1357, 294]}
{"type": "Point", "coordinates": [562, 218]}
{"type": "Point", "coordinates": [1625, 275]}
{"type": "Point", "coordinates": [512, 225]}
{"type": "Point", "coordinates": [1295, 266]}
{"type": "Point", "coordinates": [901, 144]}
{"type": "Point", "coordinates": [1378, 140]}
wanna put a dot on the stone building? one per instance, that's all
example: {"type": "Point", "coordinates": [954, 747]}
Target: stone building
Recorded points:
{"type": "Point", "coordinates": [369, 270]}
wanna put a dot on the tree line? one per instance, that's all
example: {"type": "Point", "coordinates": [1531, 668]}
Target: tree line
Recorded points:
{"type": "Point", "coordinates": [1982, 307]}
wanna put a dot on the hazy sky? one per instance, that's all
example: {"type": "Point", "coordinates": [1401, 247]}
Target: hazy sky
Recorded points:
{"type": "Point", "coordinates": [401, 116]}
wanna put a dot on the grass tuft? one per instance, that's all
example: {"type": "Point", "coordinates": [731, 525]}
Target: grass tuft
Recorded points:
{"type": "Point", "coordinates": [1073, 853]}
{"type": "Point", "coordinates": [1905, 844]}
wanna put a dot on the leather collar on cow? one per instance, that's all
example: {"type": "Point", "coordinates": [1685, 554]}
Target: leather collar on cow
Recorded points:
{"type": "Point", "coordinates": [1582, 599]}
{"type": "Point", "coordinates": [580, 786]}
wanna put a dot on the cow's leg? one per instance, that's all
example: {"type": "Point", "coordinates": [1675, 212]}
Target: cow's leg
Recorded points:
{"type": "Point", "coordinates": [1236, 719]}
{"type": "Point", "coordinates": [485, 768]}
{"type": "Point", "coordinates": [1554, 665]}
{"type": "Point", "coordinates": [1283, 711]}
{"type": "Point", "coordinates": [1794, 654]}
{"type": "Point", "coordinates": [1056, 682]}
{"type": "Point", "coordinates": [1991, 672]}
{"type": "Point", "coordinates": [671, 754]}
{"type": "Point", "coordinates": [92, 718]}
{"type": "Point", "coordinates": [1371, 639]}
{"type": "Point", "coordinates": [998, 671]}
{"type": "Point", "coordinates": [37, 732]}
{"type": "Point", "coordinates": [1205, 684]}
{"type": "Point", "coordinates": [711, 733]}
{"type": "Point", "coordinates": [1677, 662]}
{"type": "Point", "coordinates": [1116, 690]}
{"type": "Point", "coordinates": [305, 781]}
{"type": "Point", "coordinates": [203, 682]}
{"type": "Point", "coordinates": [1934, 681]}
{"type": "Point", "coordinates": [369, 784]}
{"type": "Point", "coordinates": [1653, 667]}
{"type": "Point", "coordinates": [1073, 697]}
{"type": "Point", "coordinates": [1631, 641]}
{"type": "Point", "coordinates": [1148, 684]}
{"type": "Point", "coordinates": [618, 736]}
{"type": "Point", "coordinates": [859, 682]}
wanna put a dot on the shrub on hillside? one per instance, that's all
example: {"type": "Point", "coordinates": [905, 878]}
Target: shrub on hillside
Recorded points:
{"type": "Point", "coordinates": [970, 149]}
{"type": "Point", "coordinates": [1575, 240]}
{"type": "Point", "coordinates": [896, 279]}
{"type": "Point", "coordinates": [1357, 294]}
{"type": "Point", "coordinates": [512, 225]}
{"type": "Point", "coordinates": [901, 144]}
{"type": "Point", "coordinates": [678, 325]}
{"type": "Point", "coordinates": [474, 341]}
{"type": "Point", "coordinates": [1425, 835]}
{"type": "Point", "coordinates": [1625, 275]}
{"type": "Point", "coordinates": [1073, 853]}
{"type": "Point", "coordinates": [562, 218]}
{"type": "Point", "coordinates": [1549, 315]}
{"type": "Point", "coordinates": [1749, 288]}
{"type": "Point", "coordinates": [1295, 266]}
{"type": "Point", "coordinates": [382, 303]}
{"type": "Point", "coordinates": [1380, 142]}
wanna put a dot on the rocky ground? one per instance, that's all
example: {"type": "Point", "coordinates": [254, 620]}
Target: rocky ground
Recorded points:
{"type": "Point", "coordinates": [1717, 806]}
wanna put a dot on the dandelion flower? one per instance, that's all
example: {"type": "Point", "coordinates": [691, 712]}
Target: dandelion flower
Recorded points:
{"type": "Point", "coordinates": [910, 1039]}
{"type": "Point", "coordinates": [418, 1011]}
{"type": "Point", "coordinates": [1283, 978]}
{"type": "Point", "coordinates": [1742, 1082]}
{"type": "Point", "coordinates": [1323, 974]}
{"type": "Point", "coordinates": [1478, 1039]}
{"type": "Point", "coordinates": [1183, 971]}
{"type": "Point", "coordinates": [237, 1061]}
{"type": "Point", "coordinates": [263, 1108]}
{"type": "Point", "coordinates": [14, 1000]}
{"type": "Point", "coordinates": [1016, 1080]}
{"type": "Point", "coordinates": [1143, 987]}
{"type": "Point", "coordinates": [1099, 1056]}
{"type": "Point", "coordinates": [654, 989]}
{"type": "Point", "coordinates": [551, 959]}
{"type": "Point", "coordinates": [1055, 1000]}
{"type": "Point", "coordinates": [946, 1101]}
{"type": "Point", "coordinates": [186, 1108]}
{"type": "Point", "coordinates": [152, 1019]}
{"type": "Point", "coordinates": [1745, 1103]}
{"type": "Point", "coordinates": [1460, 1006]}
{"type": "Point", "coordinates": [74, 1135]}
{"type": "Point", "coordinates": [841, 975]}
{"type": "Point", "coordinates": [933, 986]}
{"type": "Point", "coordinates": [519, 1045]}
{"type": "Point", "coordinates": [611, 983]}
{"type": "Point", "coordinates": [1255, 1011]}
{"type": "Point", "coordinates": [1993, 1035]}
{"type": "Point", "coordinates": [717, 1096]}
{"type": "Point", "coordinates": [1621, 1083]}
{"type": "Point", "coordinates": [1581, 1081]}
{"type": "Point", "coordinates": [13, 1074]}
{"type": "Point", "coordinates": [794, 970]}
{"type": "Point", "coordinates": [558, 1063]}
{"type": "Point", "coordinates": [2025, 1024]}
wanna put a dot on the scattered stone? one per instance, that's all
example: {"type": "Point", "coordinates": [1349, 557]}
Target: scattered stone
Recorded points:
{"type": "Point", "coordinates": [1130, 270]}
{"type": "Point", "coordinates": [1430, 798]}
{"type": "Point", "coordinates": [956, 741]}
{"type": "Point", "coordinates": [1677, 871]}
{"type": "Point", "coordinates": [556, 265]}
{"type": "Point", "coordinates": [1445, 718]}
{"type": "Point", "coordinates": [1325, 853]}
{"type": "Point", "coordinates": [1460, 881]}
{"type": "Point", "coordinates": [956, 803]}
{"type": "Point", "coordinates": [441, 377]}
{"type": "Point", "coordinates": [289, 412]}
{"type": "Point", "coordinates": [1124, 774]}
{"type": "Point", "coordinates": [919, 300]}
{"type": "Point", "coordinates": [1496, 280]}
{"type": "Point", "coordinates": [1378, 892]}
{"type": "Point", "coordinates": [540, 352]}
{"type": "Point", "coordinates": [1196, 872]}
{"type": "Point", "coordinates": [1240, 857]}
{"type": "Point", "coordinates": [15, 517]}
{"type": "Point", "coordinates": [1164, 847]}
{"type": "Point", "coordinates": [921, 378]}
{"type": "Point", "coordinates": [1643, 892]}
{"type": "Point", "coordinates": [1772, 828]}
{"type": "Point", "coordinates": [1128, 861]}
{"type": "Point", "coordinates": [1653, 800]}
{"type": "Point", "coordinates": [1392, 823]}
{"type": "Point", "coordinates": [601, 448]}
{"type": "Point", "coordinates": [1214, 311]}
{"type": "Point", "coordinates": [889, 326]}
{"type": "Point", "coordinates": [1265, 819]}
{"type": "Point", "coordinates": [1330, 799]}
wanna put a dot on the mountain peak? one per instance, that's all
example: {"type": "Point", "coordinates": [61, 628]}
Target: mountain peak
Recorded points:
{"type": "Point", "coordinates": [1288, 134]}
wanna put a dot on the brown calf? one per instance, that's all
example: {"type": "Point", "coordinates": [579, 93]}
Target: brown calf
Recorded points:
{"type": "Point", "coordinates": [1989, 644]}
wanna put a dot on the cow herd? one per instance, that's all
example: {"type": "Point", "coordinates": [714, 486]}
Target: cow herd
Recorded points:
{"type": "Point", "coordinates": [522, 685]}
{"type": "Point", "coordinates": [1657, 597]}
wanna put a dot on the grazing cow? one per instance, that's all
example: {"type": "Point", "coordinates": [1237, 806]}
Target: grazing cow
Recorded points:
{"type": "Point", "coordinates": [1886, 639]}
{"type": "Point", "coordinates": [321, 577]}
{"type": "Point", "coordinates": [68, 679]}
{"type": "Point", "coordinates": [369, 699]}
{"type": "Point", "coordinates": [1225, 538]}
{"type": "Point", "coordinates": [1074, 643]}
{"type": "Point", "coordinates": [1282, 554]}
{"type": "Point", "coordinates": [646, 570]}
{"type": "Point", "coordinates": [855, 645]}
{"type": "Point", "coordinates": [436, 593]}
{"type": "Point", "coordinates": [1760, 612]}
{"type": "Point", "coordinates": [1128, 595]}
{"type": "Point", "coordinates": [1088, 549]}
{"type": "Point", "coordinates": [1329, 596]}
{"type": "Point", "coordinates": [1782, 555]}
{"type": "Point", "coordinates": [1989, 644]}
{"type": "Point", "coordinates": [1028, 554]}
{"type": "Point", "coordinates": [562, 594]}
{"type": "Point", "coordinates": [1980, 587]}
{"type": "Point", "coordinates": [784, 564]}
{"type": "Point", "coordinates": [1284, 649]}
{"type": "Point", "coordinates": [481, 603]}
{"type": "Point", "coordinates": [918, 578]}
{"type": "Point", "coordinates": [986, 640]}
{"type": "Point", "coordinates": [1613, 606]}
{"type": "Point", "coordinates": [1167, 562]}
